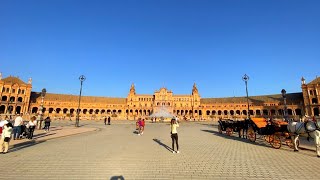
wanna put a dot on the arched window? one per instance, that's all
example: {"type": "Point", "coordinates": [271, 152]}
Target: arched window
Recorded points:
{"type": "Point", "coordinates": [273, 112]}
{"type": "Point", "coordinates": [225, 112]}
{"type": "Point", "coordinates": [2, 109]}
{"type": "Point", "coordinates": [231, 112]}
{"type": "Point", "coordinates": [314, 101]}
{"type": "Point", "coordinates": [19, 99]}
{"type": "Point", "coordinates": [65, 110]}
{"type": "Point", "coordinates": [4, 98]}
{"type": "Point", "coordinates": [12, 99]}
{"type": "Point", "coordinates": [238, 112]}
{"type": "Point", "coordinates": [34, 110]}
{"type": "Point", "coordinates": [213, 112]}
{"type": "Point", "coordinates": [298, 112]}
{"type": "Point", "coordinates": [316, 111]}
{"type": "Point", "coordinates": [258, 112]}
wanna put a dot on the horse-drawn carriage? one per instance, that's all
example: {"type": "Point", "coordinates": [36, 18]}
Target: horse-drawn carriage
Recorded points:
{"type": "Point", "coordinates": [231, 126]}
{"type": "Point", "coordinates": [272, 131]}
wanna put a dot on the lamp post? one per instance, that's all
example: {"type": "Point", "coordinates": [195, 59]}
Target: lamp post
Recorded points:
{"type": "Point", "coordinates": [40, 116]}
{"type": "Point", "coordinates": [285, 113]}
{"type": "Point", "coordinates": [81, 78]}
{"type": "Point", "coordinates": [245, 78]}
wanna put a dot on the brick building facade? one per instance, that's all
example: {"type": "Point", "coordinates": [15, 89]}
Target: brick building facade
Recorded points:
{"type": "Point", "coordinates": [17, 97]}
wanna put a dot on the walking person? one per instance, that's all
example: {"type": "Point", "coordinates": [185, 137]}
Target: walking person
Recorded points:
{"type": "Point", "coordinates": [174, 135]}
{"type": "Point", "coordinates": [47, 123]}
{"type": "Point", "coordinates": [143, 123]}
{"type": "Point", "coordinates": [109, 119]}
{"type": "Point", "coordinates": [105, 120]}
{"type": "Point", "coordinates": [139, 126]}
{"type": "Point", "coordinates": [5, 138]}
{"type": "Point", "coordinates": [17, 127]}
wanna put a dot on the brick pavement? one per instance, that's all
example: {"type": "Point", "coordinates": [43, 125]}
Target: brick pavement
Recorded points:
{"type": "Point", "coordinates": [116, 151]}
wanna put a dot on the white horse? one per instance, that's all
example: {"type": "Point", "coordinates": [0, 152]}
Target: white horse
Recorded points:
{"type": "Point", "coordinates": [312, 128]}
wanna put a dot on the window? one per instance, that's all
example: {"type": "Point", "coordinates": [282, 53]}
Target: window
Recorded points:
{"type": "Point", "coordinates": [13, 90]}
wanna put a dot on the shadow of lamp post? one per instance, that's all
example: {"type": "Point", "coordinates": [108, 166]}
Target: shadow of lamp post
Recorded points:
{"type": "Point", "coordinates": [245, 78]}
{"type": "Point", "coordinates": [81, 78]}
{"type": "Point", "coordinates": [285, 110]}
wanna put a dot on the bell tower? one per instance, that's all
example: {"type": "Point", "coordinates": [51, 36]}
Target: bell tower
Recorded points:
{"type": "Point", "coordinates": [195, 96]}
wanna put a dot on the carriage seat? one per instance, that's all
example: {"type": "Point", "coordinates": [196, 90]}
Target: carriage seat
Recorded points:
{"type": "Point", "coordinates": [260, 122]}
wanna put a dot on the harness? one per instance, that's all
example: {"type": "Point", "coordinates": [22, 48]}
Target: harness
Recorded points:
{"type": "Point", "coordinates": [298, 129]}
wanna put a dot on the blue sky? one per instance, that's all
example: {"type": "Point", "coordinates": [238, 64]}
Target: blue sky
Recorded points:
{"type": "Point", "coordinates": [161, 43]}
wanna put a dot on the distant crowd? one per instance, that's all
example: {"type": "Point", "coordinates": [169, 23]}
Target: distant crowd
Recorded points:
{"type": "Point", "coordinates": [18, 129]}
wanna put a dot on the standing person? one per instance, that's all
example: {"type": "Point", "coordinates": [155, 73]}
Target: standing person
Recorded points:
{"type": "Point", "coordinates": [31, 126]}
{"type": "Point", "coordinates": [2, 123]}
{"type": "Point", "coordinates": [109, 119]}
{"type": "Point", "coordinates": [17, 127]}
{"type": "Point", "coordinates": [47, 123]}
{"type": "Point", "coordinates": [5, 138]}
{"type": "Point", "coordinates": [143, 123]}
{"type": "Point", "coordinates": [139, 126]}
{"type": "Point", "coordinates": [174, 135]}
{"type": "Point", "coordinates": [105, 120]}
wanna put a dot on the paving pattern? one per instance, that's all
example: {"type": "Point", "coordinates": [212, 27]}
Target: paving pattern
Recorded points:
{"type": "Point", "coordinates": [117, 152]}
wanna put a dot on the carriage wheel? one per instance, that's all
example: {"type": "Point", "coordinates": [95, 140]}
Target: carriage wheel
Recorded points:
{"type": "Point", "coordinates": [275, 141]}
{"type": "Point", "coordinates": [240, 133]}
{"type": "Point", "coordinates": [267, 138]}
{"type": "Point", "coordinates": [219, 129]}
{"type": "Point", "coordinates": [251, 134]}
{"type": "Point", "coordinates": [229, 131]}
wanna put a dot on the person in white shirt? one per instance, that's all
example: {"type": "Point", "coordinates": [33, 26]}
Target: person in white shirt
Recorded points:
{"type": "Point", "coordinates": [5, 138]}
{"type": "Point", "coordinates": [174, 134]}
{"type": "Point", "coordinates": [17, 127]}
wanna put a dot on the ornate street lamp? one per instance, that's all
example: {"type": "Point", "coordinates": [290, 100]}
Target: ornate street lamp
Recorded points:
{"type": "Point", "coordinates": [285, 111]}
{"type": "Point", "coordinates": [81, 78]}
{"type": "Point", "coordinates": [40, 116]}
{"type": "Point", "coordinates": [245, 78]}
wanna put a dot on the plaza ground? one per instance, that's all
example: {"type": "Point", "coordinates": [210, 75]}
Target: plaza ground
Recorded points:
{"type": "Point", "coordinates": [116, 151]}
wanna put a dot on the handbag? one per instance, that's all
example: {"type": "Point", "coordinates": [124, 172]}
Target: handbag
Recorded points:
{"type": "Point", "coordinates": [6, 139]}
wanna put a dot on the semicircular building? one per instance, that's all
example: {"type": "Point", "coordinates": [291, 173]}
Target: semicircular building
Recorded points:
{"type": "Point", "coordinates": [17, 97]}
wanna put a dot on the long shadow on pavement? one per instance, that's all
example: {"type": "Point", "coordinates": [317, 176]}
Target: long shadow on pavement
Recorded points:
{"type": "Point", "coordinates": [43, 135]}
{"type": "Point", "coordinates": [235, 138]}
{"type": "Point", "coordinates": [164, 145]}
{"type": "Point", "coordinates": [17, 147]}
